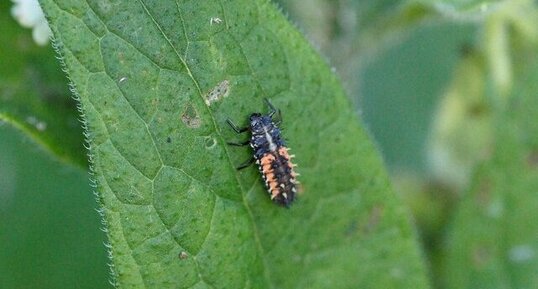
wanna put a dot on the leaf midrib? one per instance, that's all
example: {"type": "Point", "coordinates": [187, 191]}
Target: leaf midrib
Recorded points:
{"type": "Point", "coordinates": [215, 127]}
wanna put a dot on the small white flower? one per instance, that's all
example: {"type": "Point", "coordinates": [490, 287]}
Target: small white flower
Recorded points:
{"type": "Point", "coordinates": [29, 14]}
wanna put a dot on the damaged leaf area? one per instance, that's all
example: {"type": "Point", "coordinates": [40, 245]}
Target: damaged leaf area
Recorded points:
{"type": "Point", "coordinates": [220, 91]}
{"type": "Point", "coordinates": [190, 117]}
{"type": "Point", "coordinates": [157, 81]}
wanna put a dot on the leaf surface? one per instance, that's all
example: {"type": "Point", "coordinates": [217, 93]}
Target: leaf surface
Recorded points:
{"type": "Point", "coordinates": [157, 81]}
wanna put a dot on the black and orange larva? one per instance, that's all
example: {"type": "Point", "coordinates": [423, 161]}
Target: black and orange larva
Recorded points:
{"type": "Point", "coordinates": [270, 154]}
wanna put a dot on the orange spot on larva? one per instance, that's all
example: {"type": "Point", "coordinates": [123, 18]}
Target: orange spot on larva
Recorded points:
{"type": "Point", "coordinates": [284, 152]}
{"type": "Point", "coordinates": [273, 186]}
{"type": "Point", "coordinates": [275, 193]}
{"type": "Point", "coordinates": [267, 159]}
{"type": "Point", "coordinates": [267, 169]}
{"type": "Point", "coordinates": [270, 177]}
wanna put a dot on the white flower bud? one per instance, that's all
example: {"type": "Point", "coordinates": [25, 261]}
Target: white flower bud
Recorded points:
{"type": "Point", "coordinates": [29, 14]}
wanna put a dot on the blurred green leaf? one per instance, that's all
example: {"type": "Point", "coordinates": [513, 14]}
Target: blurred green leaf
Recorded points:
{"type": "Point", "coordinates": [398, 90]}
{"type": "Point", "coordinates": [178, 213]}
{"type": "Point", "coordinates": [461, 134]}
{"type": "Point", "coordinates": [49, 229]}
{"type": "Point", "coordinates": [493, 242]}
{"type": "Point", "coordinates": [401, 87]}
{"type": "Point", "coordinates": [34, 95]}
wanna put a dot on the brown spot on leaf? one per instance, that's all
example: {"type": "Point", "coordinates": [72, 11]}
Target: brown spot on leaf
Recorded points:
{"type": "Point", "coordinates": [481, 256]}
{"type": "Point", "coordinates": [532, 159]}
{"type": "Point", "coordinates": [190, 117]}
{"type": "Point", "coordinates": [373, 219]}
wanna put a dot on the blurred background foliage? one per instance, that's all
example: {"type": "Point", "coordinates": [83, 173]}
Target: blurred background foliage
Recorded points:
{"type": "Point", "coordinates": [34, 96]}
{"type": "Point", "coordinates": [446, 88]}
{"type": "Point", "coordinates": [50, 233]}
{"type": "Point", "coordinates": [49, 229]}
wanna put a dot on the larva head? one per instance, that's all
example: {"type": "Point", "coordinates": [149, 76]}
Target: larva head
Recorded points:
{"type": "Point", "coordinates": [258, 121]}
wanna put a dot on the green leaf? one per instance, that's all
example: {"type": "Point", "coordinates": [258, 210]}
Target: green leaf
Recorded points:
{"type": "Point", "coordinates": [462, 133]}
{"type": "Point", "coordinates": [33, 94]}
{"type": "Point", "coordinates": [157, 81]}
{"type": "Point", "coordinates": [398, 104]}
{"type": "Point", "coordinates": [492, 242]}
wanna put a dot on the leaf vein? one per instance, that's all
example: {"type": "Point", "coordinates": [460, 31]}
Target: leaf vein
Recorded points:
{"type": "Point", "coordinates": [251, 216]}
